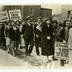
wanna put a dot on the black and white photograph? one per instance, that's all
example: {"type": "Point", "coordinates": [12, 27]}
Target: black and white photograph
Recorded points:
{"type": "Point", "coordinates": [36, 36]}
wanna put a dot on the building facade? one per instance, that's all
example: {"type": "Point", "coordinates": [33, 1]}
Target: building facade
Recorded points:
{"type": "Point", "coordinates": [66, 11]}
{"type": "Point", "coordinates": [30, 10]}
{"type": "Point", "coordinates": [47, 13]}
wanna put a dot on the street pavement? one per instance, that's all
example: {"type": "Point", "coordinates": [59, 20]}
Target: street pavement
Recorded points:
{"type": "Point", "coordinates": [28, 62]}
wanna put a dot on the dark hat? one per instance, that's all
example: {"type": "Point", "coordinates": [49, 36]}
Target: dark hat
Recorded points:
{"type": "Point", "coordinates": [47, 19]}
{"type": "Point", "coordinates": [38, 17]}
{"type": "Point", "coordinates": [18, 21]}
{"type": "Point", "coordinates": [28, 18]}
{"type": "Point", "coordinates": [55, 21]}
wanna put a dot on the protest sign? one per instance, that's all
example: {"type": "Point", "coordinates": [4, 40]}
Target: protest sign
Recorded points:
{"type": "Point", "coordinates": [61, 50]}
{"type": "Point", "coordinates": [15, 15]}
{"type": "Point", "coordinates": [39, 28]}
{"type": "Point", "coordinates": [4, 16]}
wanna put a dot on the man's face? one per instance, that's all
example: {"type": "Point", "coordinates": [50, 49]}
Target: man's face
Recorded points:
{"type": "Point", "coordinates": [48, 22]}
{"type": "Point", "coordinates": [54, 24]}
{"type": "Point", "coordinates": [28, 21]}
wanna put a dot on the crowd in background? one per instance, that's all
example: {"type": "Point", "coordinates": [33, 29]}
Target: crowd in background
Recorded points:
{"type": "Point", "coordinates": [41, 34]}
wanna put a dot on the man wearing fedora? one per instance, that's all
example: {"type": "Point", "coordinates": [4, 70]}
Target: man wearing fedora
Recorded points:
{"type": "Point", "coordinates": [28, 36]}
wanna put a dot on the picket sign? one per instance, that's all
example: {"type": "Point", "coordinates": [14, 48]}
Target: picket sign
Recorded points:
{"type": "Point", "coordinates": [4, 16]}
{"type": "Point", "coordinates": [15, 15]}
{"type": "Point", "coordinates": [39, 28]}
{"type": "Point", "coordinates": [61, 50]}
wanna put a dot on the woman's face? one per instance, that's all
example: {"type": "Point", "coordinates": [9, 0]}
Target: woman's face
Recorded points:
{"type": "Point", "coordinates": [23, 22]}
{"type": "Point", "coordinates": [54, 24]}
{"type": "Point", "coordinates": [18, 23]}
{"type": "Point", "coordinates": [48, 22]}
{"type": "Point", "coordinates": [67, 24]}
{"type": "Point", "coordinates": [39, 20]}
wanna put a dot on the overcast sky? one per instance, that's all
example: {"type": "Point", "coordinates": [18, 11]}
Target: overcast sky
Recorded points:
{"type": "Point", "coordinates": [56, 8]}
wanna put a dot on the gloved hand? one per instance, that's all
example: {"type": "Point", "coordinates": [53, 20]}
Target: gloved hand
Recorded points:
{"type": "Point", "coordinates": [64, 41]}
{"type": "Point", "coordinates": [48, 37]}
{"type": "Point", "coordinates": [37, 36]}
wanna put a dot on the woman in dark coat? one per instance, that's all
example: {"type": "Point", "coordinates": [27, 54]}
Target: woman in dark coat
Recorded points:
{"type": "Point", "coordinates": [63, 37]}
{"type": "Point", "coordinates": [2, 38]}
{"type": "Point", "coordinates": [47, 39]}
{"type": "Point", "coordinates": [14, 35]}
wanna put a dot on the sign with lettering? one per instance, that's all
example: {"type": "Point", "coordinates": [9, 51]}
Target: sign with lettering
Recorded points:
{"type": "Point", "coordinates": [61, 50]}
{"type": "Point", "coordinates": [4, 16]}
{"type": "Point", "coordinates": [15, 15]}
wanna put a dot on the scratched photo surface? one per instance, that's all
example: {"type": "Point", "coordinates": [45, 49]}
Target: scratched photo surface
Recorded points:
{"type": "Point", "coordinates": [36, 36]}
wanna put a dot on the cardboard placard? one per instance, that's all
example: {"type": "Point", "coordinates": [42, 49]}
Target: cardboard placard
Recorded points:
{"type": "Point", "coordinates": [15, 15]}
{"type": "Point", "coordinates": [39, 28]}
{"type": "Point", "coordinates": [61, 50]}
{"type": "Point", "coordinates": [4, 16]}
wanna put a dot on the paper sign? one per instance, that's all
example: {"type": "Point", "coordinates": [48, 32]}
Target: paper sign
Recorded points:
{"type": "Point", "coordinates": [4, 16]}
{"type": "Point", "coordinates": [15, 15]}
{"type": "Point", "coordinates": [61, 50]}
{"type": "Point", "coordinates": [39, 28]}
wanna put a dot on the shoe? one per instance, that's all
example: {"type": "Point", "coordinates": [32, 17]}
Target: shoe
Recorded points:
{"type": "Point", "coordinates": [38, 54]}
{"type": "Point", "coordinates": [29, 55]}
{"type": "Point", "coordinates": [54, 59]}
{"type": "Point", "coordinates": [8, 52]}
{"type": "Point", "coordinates": [49, 61]}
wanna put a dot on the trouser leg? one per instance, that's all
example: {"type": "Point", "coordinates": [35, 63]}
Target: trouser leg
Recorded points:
{"type": "Point", "coordinates": [31, 47]}
{"type": "Point", "coordinates": [11, 48]}
{"type": "Point", "coordinates": [26, 48]}
{"type": "Point", "coordinates": [17, 45]}
{"type": "Point", "coordinates": [37, 49]}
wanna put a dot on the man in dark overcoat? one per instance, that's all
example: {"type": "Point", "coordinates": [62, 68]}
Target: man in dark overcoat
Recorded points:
{"type": "Point", "coordinates": [2, 38]}
{"type": "Point", "coordinates": [28, 36]}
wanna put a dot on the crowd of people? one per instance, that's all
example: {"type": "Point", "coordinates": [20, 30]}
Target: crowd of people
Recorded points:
{"type": "Point", "coordinates": [41, 34]}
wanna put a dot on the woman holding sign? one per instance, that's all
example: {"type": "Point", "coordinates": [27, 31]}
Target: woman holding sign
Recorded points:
{"type": "Point", "coordinates": [63, 37]}
{"type": "Point", "coordinates": [47, 39]}
{"type": "Point", "coordinates": [14, 35]}
{"type": "Point", "coordinates": [70, 44]}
